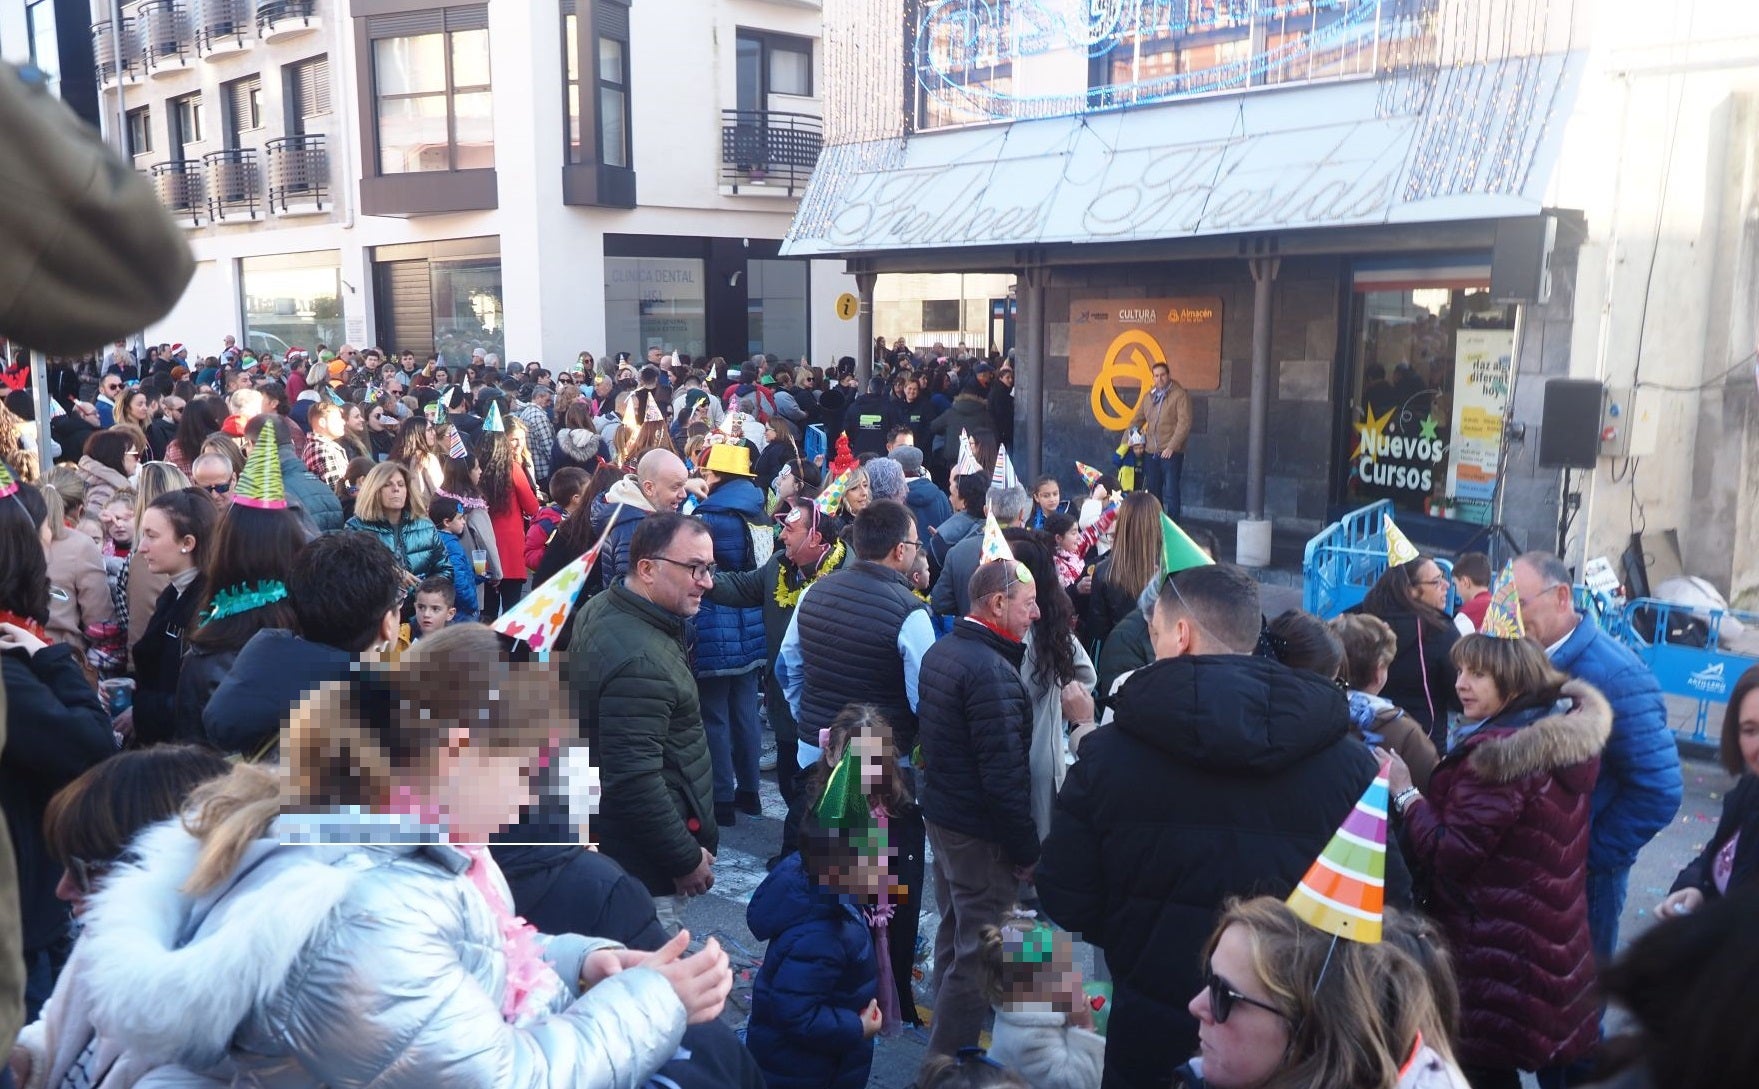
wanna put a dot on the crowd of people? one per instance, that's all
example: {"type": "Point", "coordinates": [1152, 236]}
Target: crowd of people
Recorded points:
{"type": "Point", "coordinates": [294, 802]}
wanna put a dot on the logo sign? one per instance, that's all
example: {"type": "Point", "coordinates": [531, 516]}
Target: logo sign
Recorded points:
{"type": "Point", "coordinates": [1114, 345]}
{"type": "Point", "coordinates": [847, 306]}
{"type": "Point", "coordinates": [1709, 680]}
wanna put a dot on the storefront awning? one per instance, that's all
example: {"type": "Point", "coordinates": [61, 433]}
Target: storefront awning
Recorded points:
{"type": "Point", "coordinates": [1480, 145]}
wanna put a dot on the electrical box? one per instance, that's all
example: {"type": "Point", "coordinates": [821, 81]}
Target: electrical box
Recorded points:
{"type": "Point", "coordinates": [1630, 423]}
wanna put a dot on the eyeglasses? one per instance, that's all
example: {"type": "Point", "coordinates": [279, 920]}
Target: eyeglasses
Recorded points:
{"type": "Point", "coordinates": [912, 544]}
{"type": "Point", "coordinates": [1527, 602]}
{"type": "Point", "coordinates": [217, 489]}
{"type": "Point", "coordinates": [1222, 997]}
{"type": "Point", "coordinates": [1436, 581]}
{"type": "Point", "coordinates": [698, 571]}
{"type": "Point", "coordinates": [86, 874]}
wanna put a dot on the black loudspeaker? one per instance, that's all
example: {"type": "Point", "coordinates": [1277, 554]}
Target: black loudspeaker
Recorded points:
{"type": "Point", "coordinates": [1569, 426]}
{"type": "Point", "coordinates": [1520, 263]}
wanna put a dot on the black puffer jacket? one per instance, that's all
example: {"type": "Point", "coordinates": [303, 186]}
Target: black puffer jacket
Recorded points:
{"type": "Point", "coordinates": [975, 725]}
{"type": "Point", "coordinates": [1421, 677]}
{"type": "Point", "coordinates": [1220, 776]}
{"type": "Point", "coordinates": [273, 672]}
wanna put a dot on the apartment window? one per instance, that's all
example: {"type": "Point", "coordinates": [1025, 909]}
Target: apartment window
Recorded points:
{"type": "Point", "coordinates": [613, 101]}
{"type": "Point", "coordinates": [244, 109]}
{"type": "Point", "coordinates": [140, 131]}
{"type": "Point", "coordinates": [45, 44]}
{"type": "Point", "coordinates": [432, 90]}
{"type": "Point", "coordinates": [598, 78]}
{"type": "Point", "coordinates": [308, 93]}
{"type": "Point", "coordinates": [188, 126]}
{"type": "Point", "coordinates": [771, 64]}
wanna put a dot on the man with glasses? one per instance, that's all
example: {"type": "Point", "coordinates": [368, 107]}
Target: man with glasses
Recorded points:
{"type": "Point", "coordinates": [1222, 774]}
{"type": "Point", "coordinates": [977, 790]}
{"type": "Point", "coordinates": [1639, 788]}
{"type": "Point", "coordinates": [109, 392]}
{"type": "Point", "coordinates": [640, 716]}
{"type": "Point", "coordinates": [213, 474]}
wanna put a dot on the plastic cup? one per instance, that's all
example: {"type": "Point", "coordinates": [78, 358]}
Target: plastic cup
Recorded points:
{"type": "Point", "coordinates": [479, 559]}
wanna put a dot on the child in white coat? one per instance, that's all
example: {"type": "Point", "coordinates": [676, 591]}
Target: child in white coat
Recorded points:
{"type": "Point", "coordinates": [1044, 1019]}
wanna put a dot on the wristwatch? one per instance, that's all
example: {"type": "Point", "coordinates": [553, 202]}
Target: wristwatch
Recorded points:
{"type": "Point", "coordinates": [1403, 798]}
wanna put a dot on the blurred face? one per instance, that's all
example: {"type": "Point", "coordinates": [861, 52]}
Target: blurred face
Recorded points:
{"type": "Point", "coordinates": [432, 612]}
{"type": "Point", "coordinates": [479, 790]}
{"type": "Point", "coordinates": [216, 480]}
{"type": "Point", "coordinates": [354, 419]}
{"type": "Point", "coordinates": [164, 552]}
{"type": "Point", "coordinates": [454, 525]}
{"type": "Point", "coordinates": [394, 494]}
{"type": "Point", "coordinates": [1749, 727]}
{"type": "Point", "coordinates": [1479, 695]}
{"type": "Point", "coordinates": [1243, 1051]}
{"type": "Point", "coordinates": [1162, 378]}
{"type": "Point", "coordinates": [130, 462]}
{"type": "Point", "coordinates": [800, 541]}
{"type": "Point", "coordinates": [136, 408]}
{"type": "Point", "coordinates": [111, 387]}
{"type": "Point", "coordinates": [118, 522]}
{"type": "Point", "coordinates": [171, 408]}
{"type": "Point", "coordinates": [1019, 608]}
{"type": "Point", "coordinates": [1070, 538]}
{"type": "Point", "coordinates": [666, 490]}
{"type": "Point", "coordinates": [1547, 611]}
{"type": "Point", "coordinates": [670, 582]}
{"type": "Point", "coordinates": [1429, 586]}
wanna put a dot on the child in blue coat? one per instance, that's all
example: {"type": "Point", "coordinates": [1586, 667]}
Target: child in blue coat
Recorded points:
{"type": "Point", "coordinates": [814, 1010]}
{"type": "Point", "coordinates": [449, 519]}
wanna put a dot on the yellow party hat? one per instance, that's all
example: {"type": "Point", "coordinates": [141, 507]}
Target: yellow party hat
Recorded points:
{"type": "Point", "coordinates": [1502, 620]}
{"type": "Point", "coordinates": [1399, 549]}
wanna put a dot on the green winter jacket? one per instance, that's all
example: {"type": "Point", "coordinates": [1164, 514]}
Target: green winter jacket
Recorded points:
{"type": "Point", "coordinates": [630, 673]}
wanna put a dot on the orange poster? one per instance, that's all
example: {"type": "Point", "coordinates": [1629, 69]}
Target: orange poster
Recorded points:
{"type": "Point", "coordinates": [1115, 343]}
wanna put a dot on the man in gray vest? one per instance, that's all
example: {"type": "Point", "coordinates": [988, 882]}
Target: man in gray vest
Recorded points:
{"type": "Point", "coordinates": [858, 635]}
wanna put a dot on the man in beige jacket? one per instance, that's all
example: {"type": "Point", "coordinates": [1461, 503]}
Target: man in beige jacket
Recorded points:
{"type": "Point", "coordinates": [1164, 418]}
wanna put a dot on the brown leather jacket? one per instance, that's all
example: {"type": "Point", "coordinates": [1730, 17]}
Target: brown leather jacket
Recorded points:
{"type": "Point", "coordinates": [1167, 425]}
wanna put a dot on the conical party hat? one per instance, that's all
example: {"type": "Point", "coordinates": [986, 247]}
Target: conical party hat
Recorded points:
{"type": "Point", "coordinates": [1089, 475]}
{"type": "Point", "coordinates": [1003, 476]}
{"type": "Point", "coordinates": [1181, 552]}
{"type": "Point", "coordinates": [9, 483]}
{"type": "Point", "coordinates": [1344, 891]}
{"type": "Point", "coordinates": [1502, 620]}
{"type": "Point", "coordinates": [967, 462]}
{"type": "Point", "coordinates": [631, 421]}
{"type": "Point", "coordinates": [831, 499]}
{"type": "Point", "coordinates": [1399, 549]}
{"type": "Point", "coordinates": [995, 546]}
{"type": "Point", "coordinates": [260, 485]}
{"type": "Point", "coordinates": [436, 413]}
{"type": "Point", "coordinates": [842, 804]}
{"type": "Point", "coordinates": [540, 614]}
{"type": "Point", "coordinates": [653, 410]}
{"type": "Point", "coordinates": [455, 446]}
{"type": "Point", "coordinates": [492, 422]}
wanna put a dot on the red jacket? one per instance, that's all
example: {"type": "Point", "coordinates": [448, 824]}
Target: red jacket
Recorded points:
{"type": "Point", "coordinates": [509, 521]}
{"type": "Point", "coordinates": [1501, 840]}
{"type": "Point", "coordinates": [537, 538]}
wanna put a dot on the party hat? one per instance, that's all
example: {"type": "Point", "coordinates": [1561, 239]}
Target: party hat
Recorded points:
{"type": "Point", "coordinates": [631, 422]}
{"type": "Point", "coordinates": [653, 410]}
{"type": "Point", "coordinates": [455, 446]}
{"type": "Point", "coordinates": [1343, 891]}
{"type": "Point", "coordinates": [540, 614]}
{"type": "Point", "coordinates": [1003, 476]}
{"type": "Point", "coordinates": [967, 462]}
{"type": "Point", "coordinates": [1502, 620]}
{"type": "Point", "coordinates": [831, 499]}
{"type": "Point", "coordinates": [335, 398]}
{"type": "Point", "coordinates": [492, 422]}
{"type": "Point", "coordinates": [1180, 551]}
{"type": "Point", "coordinates": [436, 412]}
{"type": "Point", "coordinates": [1399, 549]}
{"type": "Point", "coordinates": [842, 804]}
{"type": "Point", "coordinates": [1089, 475]}
{"type": "Point", "coordinates": [9, 484]}
{"type": "Point", "coordinates": [260, 485]}
{"type": "Point", "coordinates": [995, 546]}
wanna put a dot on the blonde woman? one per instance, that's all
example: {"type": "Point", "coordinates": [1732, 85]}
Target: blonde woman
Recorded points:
{"type": "Point", "coordinates": [137, 586]}
{"type": "Point", "coordinates": [80, 605]}
{"type": "Point", "coordinates": [394, 511]}
{"type": "Point", "coordinates": [1137, 558]}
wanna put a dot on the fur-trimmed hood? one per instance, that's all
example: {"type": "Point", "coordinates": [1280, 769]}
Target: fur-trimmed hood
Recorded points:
{"type": "Point", "coordinates": [1550, 742]}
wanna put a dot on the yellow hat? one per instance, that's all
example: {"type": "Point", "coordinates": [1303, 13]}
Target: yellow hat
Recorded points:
{"type": "Point", "coordinates": [728, 459]}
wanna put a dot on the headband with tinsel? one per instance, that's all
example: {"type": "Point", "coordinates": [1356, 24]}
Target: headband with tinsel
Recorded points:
{"type": "Point", "coordinates": [243, 598]}
{"type": "Point", "coordinates": [1035, 944]}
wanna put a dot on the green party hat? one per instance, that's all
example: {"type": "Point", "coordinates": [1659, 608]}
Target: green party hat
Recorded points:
{"type": "Point", "coordinates": [842, 805]}
{"type": "Point", "coordinates": [260, 486]}
{"type": "Point", "coordinates": [1182, 553]}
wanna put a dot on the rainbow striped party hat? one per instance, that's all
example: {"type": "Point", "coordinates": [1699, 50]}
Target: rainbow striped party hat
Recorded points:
{"type": "Point", "coordinates": [455, 447]}
{"type": "Point", "coordinates": [1003, 476]}
{"type": "Point", "coordinates": [1089, 475]}
{"type": "Point", "coordinates": [967, 462]}
{"type": "Point", "coordinates": [1502, 620]}
{"type": "Point", "coordinates": [1344, 890]}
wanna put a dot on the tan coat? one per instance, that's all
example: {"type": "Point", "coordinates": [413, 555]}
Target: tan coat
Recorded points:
{"type": "Point", "coordinates": [76, 568]}
{"type": "Point", "coordinates": [144, 589]}
{"type": "Point", "coordinates": [1167, 425]}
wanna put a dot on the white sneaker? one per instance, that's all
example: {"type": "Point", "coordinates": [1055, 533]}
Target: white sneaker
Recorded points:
{"type": "Point", "coordinates": [767, 762]}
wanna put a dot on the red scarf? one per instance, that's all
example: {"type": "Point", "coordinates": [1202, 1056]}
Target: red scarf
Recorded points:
{"type": "Point", "coordinates": [1003, 632]}
{"type": "Point", "coordinates": [7, 616]}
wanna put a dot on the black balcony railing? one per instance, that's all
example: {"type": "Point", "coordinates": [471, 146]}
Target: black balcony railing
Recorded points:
{"type": "Point", "coordinates": [233, 183]}
{"type": "Point", "coordinates": [162, 31]}
{"type": "Point", "coordinates": [769, 149]}
{"type": "Point", "coordinates": [279, 14]}
{"type": "Point", "coordinates": [179, 185]}
{"type": "Point", "coordinates": [299, 172]}
{"type": "Point", "coordinates": [224, 24]}
{"type": "Point", "coordinates": [104, 50]}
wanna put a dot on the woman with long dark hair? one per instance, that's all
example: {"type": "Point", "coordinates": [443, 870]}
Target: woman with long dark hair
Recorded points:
{"type": "Point", "coordinates": [1411, 598]}
{"type": "Point", "coordinates": [176, 538]}
{"type": "Point", "coordinates": [461, 481]}
{"type": "Point", "coordinates": [1058, 673]}
{"type": "Point", "coordinates": [202, 416]}
{"type": "Point", "coordinates": [512, 505]}
{"type": "Point", "coordinates": [414, 447]}
{"type": "Point", "coordinates": [108, 464]}
{"type": "Point", "coordinates": [577, 441]}
{"type": "Point", "coordinates": [55, 726]}
{"type": "Point", "coordinates": [781, 447]}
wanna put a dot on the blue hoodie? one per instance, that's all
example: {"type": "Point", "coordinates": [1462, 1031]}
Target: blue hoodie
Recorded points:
{"type": "Point", "coordinates": [730, 640]}
{"type": "Point", "coordinates": [817, 976]}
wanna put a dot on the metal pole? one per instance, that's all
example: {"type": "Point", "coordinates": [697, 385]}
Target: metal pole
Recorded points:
{"type": "Point", "coordinates": [1029, 372]}
{"type": "Point", "coordinates": [40, 402]}
{"type": "Point", "coordinates": [1264, 271]}
{"type": "Point", "coordinates": [864, 283]}
{"type": "Point", "coordinates": [121, 106]}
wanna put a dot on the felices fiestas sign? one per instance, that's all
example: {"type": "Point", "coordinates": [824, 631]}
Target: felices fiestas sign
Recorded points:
{"type": "Point", "coordinates": [1114, 345]}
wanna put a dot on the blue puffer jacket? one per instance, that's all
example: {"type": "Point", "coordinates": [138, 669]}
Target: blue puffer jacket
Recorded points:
{"type": "Point", "coordinates": [730, 640]}
{"type": "Point", "coordinates": [1639, 788]}
{"type": "Point", "coordinates": [817, 976]}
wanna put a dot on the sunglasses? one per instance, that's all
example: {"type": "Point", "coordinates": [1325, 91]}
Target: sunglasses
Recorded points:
{"type": "Point", "coordinates": [217, 489]}
{"type": "Point", "coordinates": [1222, 997]}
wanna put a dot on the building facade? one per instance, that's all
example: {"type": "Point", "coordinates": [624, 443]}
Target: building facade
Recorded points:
{"type": "Point", "coordinates": [536, 178]}
{"type": "Point", "coordinates": [1366, 235]}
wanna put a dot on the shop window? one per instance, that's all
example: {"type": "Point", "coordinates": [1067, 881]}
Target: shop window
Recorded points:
{"type": "Point", "coordinates": [655, 302]}
{"type": "Point", "coordinates": [1430, 384]}
{"type": "Point", "coordinates": [432, 91]}
{"type": "Point", "coordinates": [292, 300]}
{"type": "Point", "coordinates": [776, 307]}
{"type": "Point", "coordinates": [468, 309]}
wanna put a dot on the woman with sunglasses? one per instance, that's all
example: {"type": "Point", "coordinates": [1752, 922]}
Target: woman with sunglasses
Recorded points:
{"type": "Point", "coordinates": [1284, 1004]}
{"type": "Point", "coordinates": [88, 828]}
{"type": "Point", "coordinates": [1412, 598]}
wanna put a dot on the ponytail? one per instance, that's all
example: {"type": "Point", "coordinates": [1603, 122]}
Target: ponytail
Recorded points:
{"type": "Point", "coordinates": [227, 815]}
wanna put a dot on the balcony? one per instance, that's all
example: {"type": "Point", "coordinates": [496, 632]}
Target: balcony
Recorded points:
{"type": "Point", "coordinates": [164, 40]}
{"type": "Point", "coordinates": [224, 28]}
{"type": "Point", "coordinates": [768, 151]}
{"type": "Point", "coordinates": [233, 184]}
{"type": "Point", "coordinates": [278, 19]}
{"type": "Point", "coordinates": [110, 64]}
{"type": "Point", "coordinates": [299, 175]}
{"type": "Point", "coordinates": [179, 186]}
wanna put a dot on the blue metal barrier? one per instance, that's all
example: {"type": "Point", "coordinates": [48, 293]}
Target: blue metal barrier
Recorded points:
{"type": "Point", "coordinates": [815, 441]}
{"type": "Point", "coordinates": [1681, 645]}
{"type": "Point", "coordinates": [1347, 558]}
